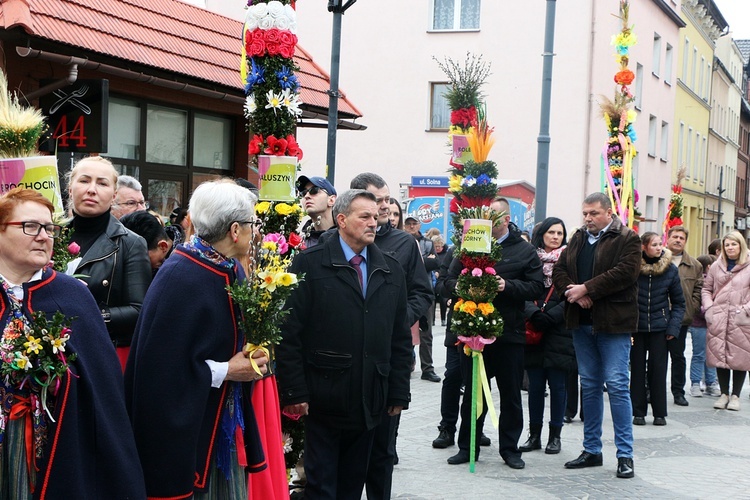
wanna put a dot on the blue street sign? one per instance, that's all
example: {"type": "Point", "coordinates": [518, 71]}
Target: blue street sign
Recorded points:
{"type": "Point", "coordinates": [438, 182]}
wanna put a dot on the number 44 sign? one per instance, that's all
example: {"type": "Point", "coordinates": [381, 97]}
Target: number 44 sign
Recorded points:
{"type": "Point", "coordinates": [77, 117]}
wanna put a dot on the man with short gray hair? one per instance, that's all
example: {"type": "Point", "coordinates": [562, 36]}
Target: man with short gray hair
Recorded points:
{"type": "Point", "coordinates": [349, 365]}
{"type": "Point", "coordinates": [128, 197]}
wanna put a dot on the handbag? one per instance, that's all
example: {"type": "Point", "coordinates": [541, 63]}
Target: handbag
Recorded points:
{"type": "Point", "coordinates": [533, 335]}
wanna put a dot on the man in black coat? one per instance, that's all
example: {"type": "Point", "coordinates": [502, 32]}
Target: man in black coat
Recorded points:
{"type": "Point", "coordinates": [404, 248]}
{"type": "Point", "coordinates": [346, 349]}
{"type": "Point", "coordinates": [520, 278]}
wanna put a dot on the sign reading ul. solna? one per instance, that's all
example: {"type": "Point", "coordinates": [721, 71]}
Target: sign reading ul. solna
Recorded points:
{"type": "Point", "coordinates": [77, 117]}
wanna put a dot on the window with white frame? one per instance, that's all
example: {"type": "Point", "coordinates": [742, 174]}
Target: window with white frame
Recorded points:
{"type": "Point", "coordinates": [702, 171]}
{"type": "Point", "coordinates": [638, 85]}
{"type": "Point", "coordinates": [697, 155]}
{"type": "Point", "coordinates": [693, 69]}
{"type": "Point", "coordinates": [652, 135]}
{"type": "Point", "coordinates": [455, 14]}
{"type": "Point", "coordinates": [662, 203]}
{"type": "Point", "coordinates": [699, 90]}
{"type": "Point", "coordinates": [685, 56]}
{"type": "Point", "coordinates": [688, 152]}
{"type": "Point", "coordinates": [650, 210]}
{"type": "Point", "coordinates": [657, 54]}
{"type": "Point", "coordinates": [680, 145]}
{"type": "Point", "coordinates": [664, 140]}
{"type": "Point", "coordinates": [440, 113]}
{"type": "Point", "coordinates": [668, 64]}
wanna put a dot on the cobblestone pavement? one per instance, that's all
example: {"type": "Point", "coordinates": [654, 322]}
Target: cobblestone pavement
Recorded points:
{"type": "Point", "coordinates": [700, 453]}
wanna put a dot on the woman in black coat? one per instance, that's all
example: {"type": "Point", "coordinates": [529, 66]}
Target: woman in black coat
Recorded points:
{"type": "Point", "coordinates": [550, 361]}
{"type": "Point", "coordinates": [114, 263]}
{"type": "Point", "coordinates": [661, 307]}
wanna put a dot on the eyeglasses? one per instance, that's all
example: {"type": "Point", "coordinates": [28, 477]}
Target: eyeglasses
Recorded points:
{"type": "Point", "coordinates": [313, 190]}
{"type": "Point", "coordinates": [133, 203]}
{"type": "Point", "coordinates": [35, 228]}
{"type": "Point", "coordinates": [257, 223]}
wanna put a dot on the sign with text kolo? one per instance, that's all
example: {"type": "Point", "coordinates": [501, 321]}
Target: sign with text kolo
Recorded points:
{"type": "Point", "coordinates": [77, 117]}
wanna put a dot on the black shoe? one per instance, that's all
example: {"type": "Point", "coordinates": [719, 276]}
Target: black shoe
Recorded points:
{"type": "Point", "coordinates": [660, 421]}
{"type": "Point", "coordinates": [567, 419]}
{"type": "Point", "coordinates": [679, 400]}
{"type": "Point", "coordinates": [484, 440]}
{"type": "Point", "coordinates": [625, 468]}
{"type": "Point", "coordinates": [445, 439]}
{"type": "Point", "coordinates": [586, 459]}
{"type": "Point", "coordinates": [514, 462]}
{"type": "Point", "coordinates": [462, 457]}
{"type": "Point", "coordinates": [639, 420]}
{"type": "Point", "coordinates": [553, 443]}
{"type": "Point", "coordinates": [535, 439]}
{"type": "Point", "coordinates": [431, 376]}
{"type": "Point", "coordinates": [442, 323]}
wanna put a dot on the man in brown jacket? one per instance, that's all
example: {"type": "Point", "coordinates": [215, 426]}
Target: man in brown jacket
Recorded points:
{"type": "Point", "coordinates": [691, 279]}
{"type": "Point", "coordinates": [597, 274]}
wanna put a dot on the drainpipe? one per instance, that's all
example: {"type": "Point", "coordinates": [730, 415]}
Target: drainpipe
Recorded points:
{"type": "Point", "coordinates": [69, 80]}
{"type": "Point", "coordinates": [590, 86]}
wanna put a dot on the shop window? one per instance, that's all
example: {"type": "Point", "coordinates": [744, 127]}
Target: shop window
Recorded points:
{"type": "Point", "coordinates": [440, 113]}
{"type": "Point", "coordinates": [165, 195]}
{"type": "Point", "coordinates": [124, 136]}
{"type": "Point", "coordinates": [455, 14]}
{"type": "Point", "coordinates": [213, 142]}
{"type": "Point", "coordinates": [166, 135]}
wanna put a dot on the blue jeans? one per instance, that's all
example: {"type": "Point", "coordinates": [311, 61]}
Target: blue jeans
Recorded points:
{"type": "Point", "coordinates": [538, 379]}
{"type": "Point", "coordinates": [698, 367]}
{"type": "Point", "coordinates": [603, 359]}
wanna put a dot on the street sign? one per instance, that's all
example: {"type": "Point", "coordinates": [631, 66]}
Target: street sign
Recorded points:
{"type": "Point", "coordinates": [437, 182]}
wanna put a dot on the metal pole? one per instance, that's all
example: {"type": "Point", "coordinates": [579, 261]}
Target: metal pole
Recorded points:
{"type": "Point", "coordinates": [338, 8]}
{"type": "Point", "coordinates": [333, 95]}
{"type": "Point", "coordinates": [543, 140]}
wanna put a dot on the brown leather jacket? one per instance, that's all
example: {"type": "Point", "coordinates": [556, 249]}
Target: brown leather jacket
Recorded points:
{"type": "Point", "coordinates": [691, 279]}
{"type": "Point", "coordinates": [614, 287]}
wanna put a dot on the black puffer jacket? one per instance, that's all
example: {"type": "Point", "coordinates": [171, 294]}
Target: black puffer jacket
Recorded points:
{"type": "Point", "coordinates": [117, 271]}
{"type": "Point", "coordinates": [661, 304]}
{"type": "Point", "coordinates": [556, 349]}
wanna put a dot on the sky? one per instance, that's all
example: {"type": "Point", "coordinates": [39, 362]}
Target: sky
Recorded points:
{"type": "Point", "coordinates": [737, 14]}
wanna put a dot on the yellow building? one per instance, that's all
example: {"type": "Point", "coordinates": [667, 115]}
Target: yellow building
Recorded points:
{"type": "Point", "coordinates": [704, 24]}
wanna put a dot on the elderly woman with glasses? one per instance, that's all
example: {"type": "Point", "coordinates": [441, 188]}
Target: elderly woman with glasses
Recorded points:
{"type": "Point", "coordinates": [114, 263]}
{"type": "Point", "coordinates": [187, 382]}
{"type": "Point", "coordinates": [67, 434]}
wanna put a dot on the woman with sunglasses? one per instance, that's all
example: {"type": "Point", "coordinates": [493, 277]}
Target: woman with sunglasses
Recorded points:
{"type": "Point", "coordinates": [69, 436]}
{"type": "Point", "coordinates": [114, 260]}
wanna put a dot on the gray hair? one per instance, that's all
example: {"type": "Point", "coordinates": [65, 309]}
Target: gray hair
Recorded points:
{"type": "Point", "coordinates": [127, 181]}
{"type": "Point", "coordinates": [600, 198]}
{"type": "Point", "coordinates": [215, 205]}
{"type": "Point", "coordinates": [362, 181]}
{"type": "Point", "coordinates": [343, 204]}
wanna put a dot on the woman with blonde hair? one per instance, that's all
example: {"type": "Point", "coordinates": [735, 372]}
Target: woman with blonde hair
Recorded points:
{"type": "Point", "coordinates": [726, 301]}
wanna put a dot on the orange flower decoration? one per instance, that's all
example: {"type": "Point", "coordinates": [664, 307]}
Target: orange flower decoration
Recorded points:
{"type": "Point", "coordinates": [624, 77]}
{"type": "Point", "coordinates": [469, 307]}
{"type": "Point", "coordinates": [457, 305]}
{"type": "Point", "coordinates": [486, 308]}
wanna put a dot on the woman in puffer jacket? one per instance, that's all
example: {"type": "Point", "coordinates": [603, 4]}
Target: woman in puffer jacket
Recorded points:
{"type": "Point", "coordinates": [661, 307]}
{"type": "Point", "coordinates": [726, 301]}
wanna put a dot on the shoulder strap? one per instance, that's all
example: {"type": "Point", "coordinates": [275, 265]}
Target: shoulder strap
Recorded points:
{"type": "Point", "coordinates": [546, 299]}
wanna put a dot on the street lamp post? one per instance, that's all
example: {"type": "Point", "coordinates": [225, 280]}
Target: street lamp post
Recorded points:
{"type": "Point", "coordinates": [543, 140]}
{"type": "Point", "coordinates": [337, 7]}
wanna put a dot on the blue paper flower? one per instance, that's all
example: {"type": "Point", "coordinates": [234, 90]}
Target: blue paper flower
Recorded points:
{"type": "Point", "coordinates": [483, 179]}
{"type": "Point", "coordinates": [287, 80]}
{"type": "Point", "coordinates": [256, 76]}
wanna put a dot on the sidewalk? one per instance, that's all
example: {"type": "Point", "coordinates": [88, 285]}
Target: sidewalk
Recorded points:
{"type": "Point", "coordinates": [700, 453]}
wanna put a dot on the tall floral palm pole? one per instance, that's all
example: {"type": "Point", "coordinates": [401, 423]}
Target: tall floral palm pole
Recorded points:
{"type": "Point", "coordinates": [272, 108]}
{"type": "Point", "coordinates": [675, 209]}
{"type": "Point", "coordinates": [617, 158]}
{"type": "Point", "coordinates": [473, 184]}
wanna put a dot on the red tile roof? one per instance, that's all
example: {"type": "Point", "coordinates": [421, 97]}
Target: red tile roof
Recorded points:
{"type": "Point", "coordinates": [165, 34]}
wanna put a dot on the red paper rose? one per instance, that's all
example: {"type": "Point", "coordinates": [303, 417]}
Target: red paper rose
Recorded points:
{"type": "Point", "coordinates": [454, 206]}
{"type": "Point", "coordinates": [286, 51]}
{"type": "Point", "coordinates": [273, 35]}
{"type": "Point", "coordinates": [677, 221]}
{"type": "Point", "coordinates": [293, 148]}
{"type": "Point", "coordinates": [275, 146]}
{"type": "Point", "coordinates": [287, 38]}
{"type": "Point", "coordinates": [256, 144]}
{"type": "Point", "coordinates": [294, 240]}
{"type": "Point", "coordinates": [624, 77]}
{"type": "Point", "coordinates": [273, 48]}
{"type": "Point", "coordinates": [256, 48]}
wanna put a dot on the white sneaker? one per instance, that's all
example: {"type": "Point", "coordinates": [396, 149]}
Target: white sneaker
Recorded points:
{"type": "Point", "coordinates": [713, 390]}
{"type": "Point", "coordinates": [721, 403]}
{"type": "Point", "coordinates": [734, 403]}
{"type": "Point", "coordinates": [695, 391]}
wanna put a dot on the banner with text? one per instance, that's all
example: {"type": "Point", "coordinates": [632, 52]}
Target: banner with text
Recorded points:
{"type": "Point", "coordinates": [277, 176]}
{"type": "Point", "coordinates": [477, 235]}
{"type": "Point", "coordinates": [38, 173]}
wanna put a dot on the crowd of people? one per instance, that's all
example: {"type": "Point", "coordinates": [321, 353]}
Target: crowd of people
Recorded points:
{"type": "Point", "coordinates": [154, 395]}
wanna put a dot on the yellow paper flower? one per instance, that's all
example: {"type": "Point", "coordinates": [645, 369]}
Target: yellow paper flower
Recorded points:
{"type": "Point", "coordinates": [269, 245]}
{"type": "Point", "coordinates": [457, 305]}
{"type": "Point", "coordinates": [486, 308]}
{"type": "Point", "coordinates": [262, 207]}
{"type": "Point", "coordinates": [268, 279]}
{"type": "Point", "coordinates": [23, 362]}
{"type": "Point", "coordinates": [284, 209]}
{"type": "Point", "coordinates": [632, 115]}
{"type": "Point", "coordinates": [469, 307]}
{"type": "Point", "coordinates": [624, 39]}
{"type": "Point", "coordinates": [287, 279]}
{"type": "Point", "coordinates": [454, 183]}
{"type": "Point", "coordinates": [33, 345]}
{"type": "Point", "coordinates": [58, 345]}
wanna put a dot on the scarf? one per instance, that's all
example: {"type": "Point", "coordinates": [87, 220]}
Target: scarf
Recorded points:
{"type": "Point", "coordinates": [549, 259]}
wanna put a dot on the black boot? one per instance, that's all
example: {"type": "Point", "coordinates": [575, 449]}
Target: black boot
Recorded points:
{"type": "Point", "coordinates": [535, 439]}
{"type": "Point", "coordinates": [553, 444]}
